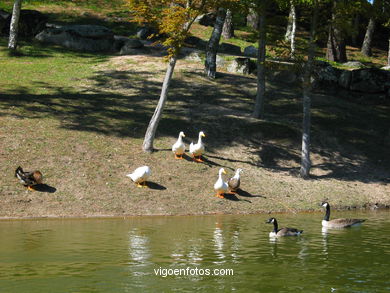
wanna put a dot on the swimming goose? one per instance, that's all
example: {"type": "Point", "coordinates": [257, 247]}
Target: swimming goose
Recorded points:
{"type": "Point", "coordinates": [140, 175]}
{"type": "Point", "coordinates": [29, 179]}
{"type": "Point", "coordinates": [196, 150]}
{"type": "Point", "coordinates": [179, 147]}
{"type": "Point", "coordinates": [220, 186]}
{"type": "Point", "coordinates": [234, 182]}
{"type": "Point", "coordinates": [283, 231]}
{"type": "Point", "coordinates": [338, 223]}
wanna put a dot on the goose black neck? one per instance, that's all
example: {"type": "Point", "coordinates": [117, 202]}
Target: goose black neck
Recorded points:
{"type": "Point", "coordinates": [275, 226]}
{"type": "Point", "coordinates": [327, 214]}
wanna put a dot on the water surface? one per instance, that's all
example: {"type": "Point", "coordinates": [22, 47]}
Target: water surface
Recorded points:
{"type": "Point", "coordinates": [122, 255]}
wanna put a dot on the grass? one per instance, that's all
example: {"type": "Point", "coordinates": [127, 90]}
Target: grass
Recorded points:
{"type": "Point", "coordinates": [80, 119]}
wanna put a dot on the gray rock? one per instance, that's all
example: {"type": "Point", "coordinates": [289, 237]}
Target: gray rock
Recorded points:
{"type": "Point", "coordinates": [250, 51]}
{"type": "Point", "coordinates": [370, 80]}
{"type": "Point", "coordinates": [131, 47]}
{"type": "Point", "coordinates": [86, 38]}
{"type": "Point", "coordinates": [207, 19]}
{"type": "Point", "coordinates": [386, 67]}
{"type": "Point", "coordinates": [239, 65]}
{"type": "Point", "coordinates": [354, 64]}
{"type": "Point", "coordinates": [345, 79]}
{"type": "Point", "coordinates": [284, 76]}
{"type": "Point", "coordinates": [194, 56]}
{"type": "Point", "coordinates": [144, 32]}
{"type": "Point", "coordinates": [220, 61]}
{"type": "Point", "coordinates": [31, 22]}
{"type": "Point", "coordinates": [229, 49]}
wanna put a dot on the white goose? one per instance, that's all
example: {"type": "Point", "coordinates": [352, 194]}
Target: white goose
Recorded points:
{"type": "Point", "coordinates": [179, 147]}
{"type": "Point", "coordinates": [196, 150]}
{"type": "Point", "coordinates": [140, 175]}
{"type": "Point", "coordinates": [221, 186]}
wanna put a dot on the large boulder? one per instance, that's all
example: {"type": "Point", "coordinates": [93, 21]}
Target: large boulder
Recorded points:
{"type": "Point", "coordinates": [31, 22]}
{"type": "Point", "coordinates": [370, 80]}
{"type": "Point", "coordinates": [345, 79]}
{"type": "Point", "coordinates": [354, 64]}
{"type": "Point", "coordinates": [239, 65]}
{"type": "Point", "coordinates": [325, 76]}
{"type": "Point", "coordinates": [131, 46]}
{"type": "Point", "coordinates": [250, 51]}
{"type": "Point", "coordinates": [207, 19]}
{"type": "Point", "coordinates": [229, 49]}
{"type": "Point", "coordinates": [86, 38]}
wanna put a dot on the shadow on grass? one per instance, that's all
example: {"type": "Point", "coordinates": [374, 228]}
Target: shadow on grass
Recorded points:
{"type": "Point", "coordinates": [155, 186]}
{"type": "Point", "coordinates": [244, 193]}
{"type": "Point", "coordinates": [44, 188]}
{"type": "Point", "coordinates": [233, 197]}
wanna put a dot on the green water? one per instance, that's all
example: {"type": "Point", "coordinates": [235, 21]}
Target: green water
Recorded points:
{"type": "Point", "coordinates": [122, 255]}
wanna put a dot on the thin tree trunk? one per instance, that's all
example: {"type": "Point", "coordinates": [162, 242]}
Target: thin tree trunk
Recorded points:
{"type": "Point", "coordinates": [290, 33]}
{"type": "Point", "coordinates": [355, 33]}
{"type": "Point", "coordinates": [287, 35]}
{"type": "Point", "coordinates": [306, 122]}
{"type": "Point", "coordinates": [336, 50]}
{"type": "Point", "coordinates": [213, 44]}
{"type": "Point", "coordinates": [151, 131]}
{"type": "Point", "coordinates": [228, 28]}
{"type": "Point", "coordinates": [388, 55]}
{"type": "Point", "coordinates": [252, 19]}
{"type": "Point", "coordinates": [258, 111]}
{"type": "Point", "coordinates": [366, 47]}
{"type": "Point", "coordinates": [14, 26]}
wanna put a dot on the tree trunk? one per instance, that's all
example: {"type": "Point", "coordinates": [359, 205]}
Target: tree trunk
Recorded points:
{"type": "Point", "coordinates": [366, 47]}
{"type": "Point", "coordinates": [388, 55]}
{"type": "Point", "coordinates": [258, 111]}
{"type": "Point", "coordinates": [252, 19]}
{"type": "Point", "coordinates": [228, 28]}
{"type": "Point", "coordinates": [356, 29]}
{"type": "Point", "coordinates": [213, 44]}
{"type": "Point", "coordinates": [336, 50]}
{"type": "Point", "coordinates": [306, 122]}
{"type": "Point", "coordinates": [291, 28]}
{"type": "Point", "coordinates": [151, 131]}
{"type": "Point", "coordinates": [13, 32]}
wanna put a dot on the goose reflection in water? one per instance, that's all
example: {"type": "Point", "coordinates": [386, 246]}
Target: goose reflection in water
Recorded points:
{"type": "Point", "coordinates": [218, 243]}
{"type": "Point", "coordinates": [139, 248]}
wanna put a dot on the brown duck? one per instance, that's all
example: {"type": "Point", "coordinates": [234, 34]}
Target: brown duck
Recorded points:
{"type": "Point", "coordinates": [28, 179]}
{"type": "Point", "coordinates": [234, 182]}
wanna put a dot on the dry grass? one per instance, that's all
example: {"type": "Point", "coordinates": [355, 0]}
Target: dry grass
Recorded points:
{"type": "Point", "coordinates": [85, 140]}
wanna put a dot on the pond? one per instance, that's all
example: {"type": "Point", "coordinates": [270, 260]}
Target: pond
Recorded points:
{"type": "Point", "coordinates": [195, 254]}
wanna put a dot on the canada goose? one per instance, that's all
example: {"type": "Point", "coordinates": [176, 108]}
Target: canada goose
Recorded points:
{"type": "Point", "coordinates": [234, 182]}
{"type": "Point", "coordinates": [197, 149]}
{"type": "Point", "coordinates": [140, 175]}
{"type": "Point", "coordinates": [283, 231]}
{"type": "Point", "coordinates": [179, 147]}
{"type": "Point", "coordinates": [337, 223]}
{"type": "Point", "coordinates": [28, 179]}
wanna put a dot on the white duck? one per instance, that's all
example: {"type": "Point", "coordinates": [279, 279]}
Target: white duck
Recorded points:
{"type": "Point", "coordinates": [179, 147]}
{"type": "Point", "coordinates": [221, 186]}
{"type": "Point", "coordinates": [196, 150]}
{"type": "Point", "coordinates": [140, 175]}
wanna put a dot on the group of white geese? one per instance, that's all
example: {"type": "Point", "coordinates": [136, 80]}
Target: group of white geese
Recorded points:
{"type": "Point", "coordinates": [221, 187]}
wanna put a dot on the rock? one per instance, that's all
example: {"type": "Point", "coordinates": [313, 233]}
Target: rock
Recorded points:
{"type": "Point", "coordinates": [193, 56]}
{"type": "Point", "coordinates": [31, 22]}
{"type": "Point", "coordinates": [345, 79]}
{"type": "Point", "coordinates": [86, 38]}
{"type": "Point", "coordinates": [239, 65]}
{"type": "Point", "coordinates": [386, 67]}
{"type": "Point", "coordinates": [354, 64]}
{"type": "Point", "coordinates": [250, 51]}
{"type": "Point", "coordinates": [325, 76]}
{"type": "Point", "coordinates": [370, 80]}
{"type": "Point", "coordinates": [284, 76]}
{"type": "Point", "coordinates": [220, 61]}
{"type": "Point", "coordinates": [229, 49]}
{"type": "Point", "coordinates": [130, 47]}
{"type": "Point", "coordinates": [207, 19]}
{"type": "Point", "coordinates": [144, 32]}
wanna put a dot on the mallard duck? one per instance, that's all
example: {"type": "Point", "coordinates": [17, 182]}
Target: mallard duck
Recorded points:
{"type": "Point", "coordinates": [29, 179]}
{"type": "Point", "coordinates": [179, 147]}
{"type": "Point", "coordinates": [337, 223]}
{"type": "Point", "coordinates": [283, 231]}
{"type": "Point", "coordinates": [140, 175]}
{"type": "Point", "coordinates": [196, 150]}
{"type": "Point", "coordinates": [221, 186]}
{"type": "Point", "coordinates": [234, 182]}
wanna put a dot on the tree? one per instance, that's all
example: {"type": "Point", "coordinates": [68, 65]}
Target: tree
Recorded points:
{"type": "Point", "coordinates": [258, 111]}
{"type": "Point", "coordinates": [228, 28]}
{"type": "Point", "coordinates": [336, 50]}
{"type": "Point", "coordinates": [14, 26]}
{"type": "Point", "coordinates": [366, 47]}
{"type": "Point", "coordinates": [252, 19]}
{"type": "Point", "coordinates": [213, 44]}
{"type": "Point", "coordinates": [173, 19]}
{"type": "Point", "coordinates": [306, 121]}
{"type": "Point", "coordinates": [291, 28]}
